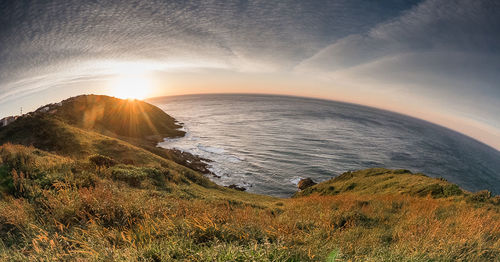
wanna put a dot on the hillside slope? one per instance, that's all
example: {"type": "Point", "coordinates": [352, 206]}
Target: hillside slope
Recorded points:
{"type": "Point", "coordinates": [129, 119]}
{"type": "Point", "coordinates": [90, 124]}
{"type": "Point", "coordinates": [386, 181]}
{"type": "Point", "coordinates": [109, 115]}
{"type": "Point", "coordinates": [85, 192]}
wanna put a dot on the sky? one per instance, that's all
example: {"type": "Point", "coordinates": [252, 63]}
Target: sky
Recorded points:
{"type": "Point", "coordinates": [435, 60]}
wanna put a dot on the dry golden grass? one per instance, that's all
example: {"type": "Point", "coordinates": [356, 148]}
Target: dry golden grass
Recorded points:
{"type": "Point", "coordinates": [109, 221]}
{"type": "Point", "coordinates": [67, 208]}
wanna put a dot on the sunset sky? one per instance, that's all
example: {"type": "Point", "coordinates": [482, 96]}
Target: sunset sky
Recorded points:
{"type": "Point", "coordinates": [435, 60]}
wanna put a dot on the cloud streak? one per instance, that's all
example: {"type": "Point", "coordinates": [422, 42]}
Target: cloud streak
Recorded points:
{"type": "Point", "coordinates": [459, 26]}
{"type": "Point", "coordinates": [244, 35]}
{"type": "Point", "coordinates": [442, 55]}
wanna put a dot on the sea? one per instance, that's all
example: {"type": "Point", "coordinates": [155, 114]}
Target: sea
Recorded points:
{"type": "Point", "coordinates": [267, 143]}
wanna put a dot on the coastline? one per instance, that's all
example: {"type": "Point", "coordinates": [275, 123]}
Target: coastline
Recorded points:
{"type": "Point", "coordinates": [79, 193]}
{"type": "Point", "coordinates": [254, 140]}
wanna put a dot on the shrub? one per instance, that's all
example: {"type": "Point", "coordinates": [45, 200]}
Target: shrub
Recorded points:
{"type": "Point", "coordinates": [480, 196]}
{"type": "Point", "coordinates": [6, 182]}
{"type": "Point", "coordinates": [452, 190]}
{"type": "Point", "coordinates": [101, 161]}
{"type": "Point", "coordinates": [401, 171]}
{"type": "Point", "coordinates": [134, 176]}
{"type": "Point", "coordinates": [351, 186]}
{"type": "Point", "coordinates": [197, 179]}
{"type": "Point", "coordinates": [352, 219]}
{"type": "Point", "coordinates": [131, 175]}
{"type": "Point", "coordinates": [15, 216]}
{"type": "Point", "coordinates": [17, 158]}
{"type": "Point", "coordinates": [438, 191]}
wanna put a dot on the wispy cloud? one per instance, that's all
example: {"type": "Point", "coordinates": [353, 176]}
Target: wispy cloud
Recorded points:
{"type": "Point", "coordinates": [441, 54]}
{"type": "Point", "coordinates": [459, 26]}
{"type": "Point", "coordinates": [40, 38]}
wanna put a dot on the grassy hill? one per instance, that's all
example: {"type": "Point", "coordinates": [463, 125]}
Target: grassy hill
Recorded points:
{"type": "Point", "coordinates": [109, 115]}
{"type": "Point", "coordinates": [61, 127]}
{"type": "Point", "coordinates": [385, 181]}
{"type": "Point", "coordinates": [71, 190]}
{"type": "Point", "coordinates": [91, 124]}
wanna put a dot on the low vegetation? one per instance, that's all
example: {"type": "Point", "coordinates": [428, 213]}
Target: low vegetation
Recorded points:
{"type": "Point", "coordinates": [117, 201]}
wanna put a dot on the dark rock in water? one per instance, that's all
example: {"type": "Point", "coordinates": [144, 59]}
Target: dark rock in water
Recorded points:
{"type": "Point", "coordinates": [189, 160]}
{"type": "Point", "coordinates": [305, 183]}
{"type": "Point", "coordinates": [236, 187]}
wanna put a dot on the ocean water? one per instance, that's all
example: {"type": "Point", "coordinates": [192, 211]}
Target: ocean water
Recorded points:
{"type": "Point", "coordinates": [268, 143]}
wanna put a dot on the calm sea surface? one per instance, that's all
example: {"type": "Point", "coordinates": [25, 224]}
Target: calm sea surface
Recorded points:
{"type": "Point", "coordinates": [268, 143]}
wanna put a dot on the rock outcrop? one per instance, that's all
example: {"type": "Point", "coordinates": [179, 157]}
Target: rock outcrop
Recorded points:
{"type": "Point", "coordinates": [305, 183]}
{"type": "Point", "coordinates": [236, 187]}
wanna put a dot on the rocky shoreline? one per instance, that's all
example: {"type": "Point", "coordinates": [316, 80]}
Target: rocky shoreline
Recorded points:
{"type": "Point", "coordinates": [194, 162]}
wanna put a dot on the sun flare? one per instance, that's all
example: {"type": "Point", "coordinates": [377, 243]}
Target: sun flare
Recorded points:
{"type": "Point", "coordinates": [131, 87]}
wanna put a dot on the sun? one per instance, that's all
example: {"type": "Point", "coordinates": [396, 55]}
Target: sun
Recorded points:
{"type": "Point", "coordinates": [131, 87]}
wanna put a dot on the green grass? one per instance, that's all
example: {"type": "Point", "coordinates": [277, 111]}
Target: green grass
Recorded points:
{"type": "Point", "coordinates": [108, 115]}
{"type": "Point", "coordinates": [387, 181]}
{"type": "Point", "coordinates": [97, 197]}
{"type": "Point", "coordinates": [69, 209]}
{"type": "Point", "coordinates": [107, 126]}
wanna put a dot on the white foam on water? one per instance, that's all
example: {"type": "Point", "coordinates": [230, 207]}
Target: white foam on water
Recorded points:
{"type": "Point", "coordinates": [211, 149]}
{"type": "Point", "coordinates": [233, 159]}
{"type": "Point", "coordinates": [273, 142]}
{"type": "Point", "coordinates": [295, 180]}
{"type": "Point", "coordinates": [219, 156]}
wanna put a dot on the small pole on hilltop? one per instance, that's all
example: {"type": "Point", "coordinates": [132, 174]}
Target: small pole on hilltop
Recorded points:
{"type": "Point", "coordinates": [21, 110]}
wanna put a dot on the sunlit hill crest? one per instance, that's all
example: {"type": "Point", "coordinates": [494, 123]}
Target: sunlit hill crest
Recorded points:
{"type": "Point", "coordinates": [59, 126]}
{"type": "Point", "coordinates": [131, 118]}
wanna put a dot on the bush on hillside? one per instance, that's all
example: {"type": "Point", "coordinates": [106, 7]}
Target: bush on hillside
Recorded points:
{"type": "Point", "coordinates": [438, 190]}
{"type": "Point", "coordinates": [102, 161]}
